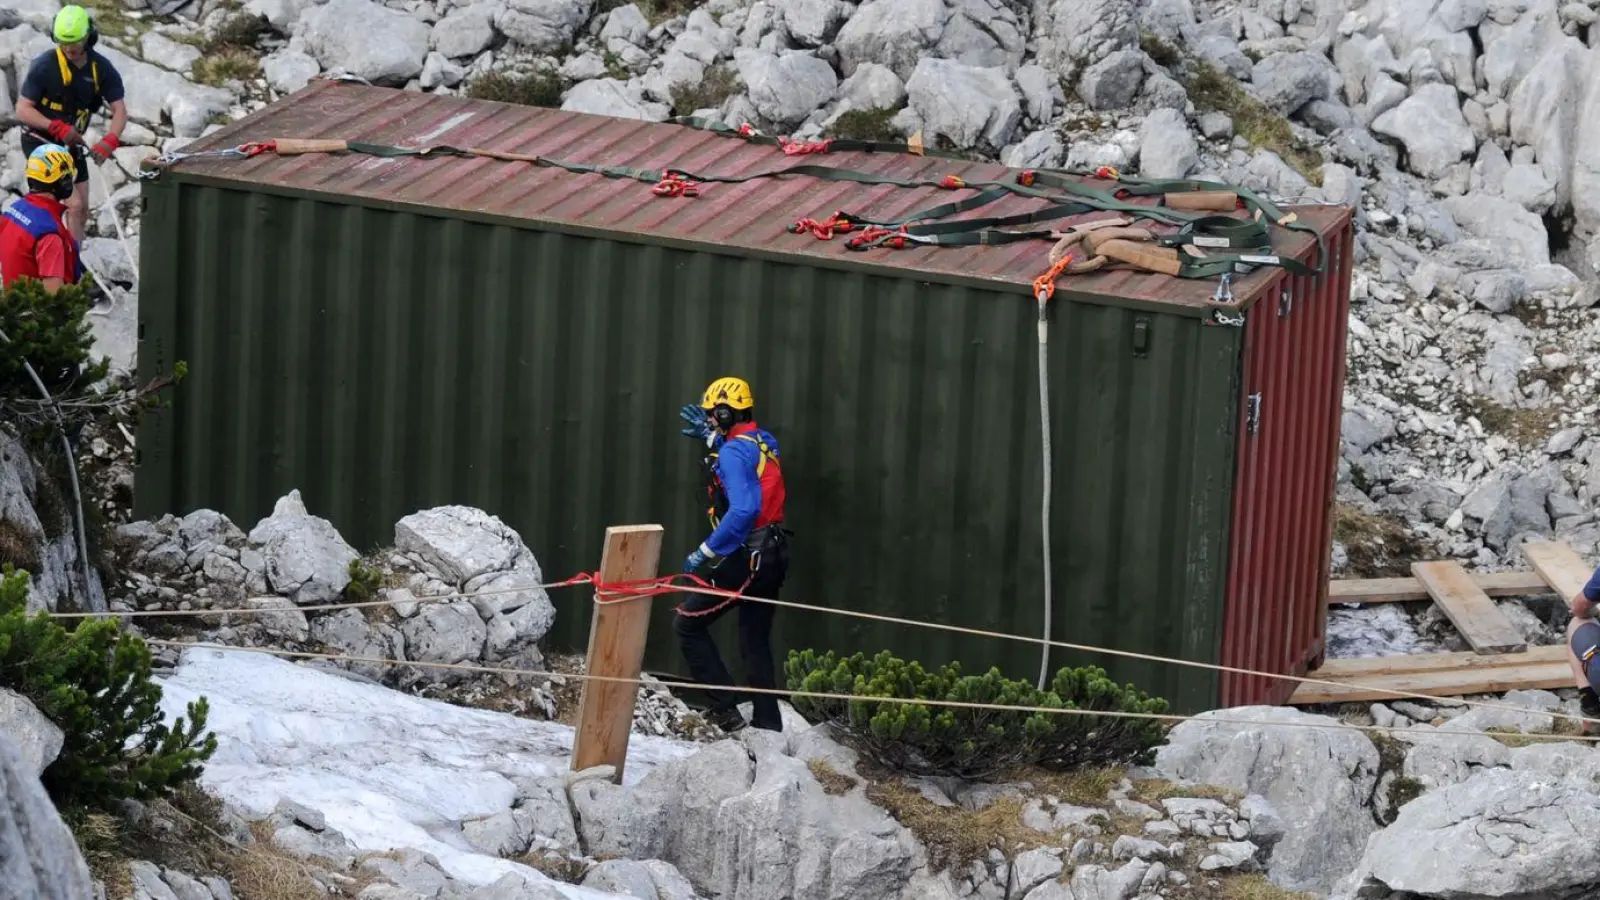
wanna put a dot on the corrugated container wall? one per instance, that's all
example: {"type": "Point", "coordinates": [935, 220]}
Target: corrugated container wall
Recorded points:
{"type": "Point", "coordinates": [384, 356]}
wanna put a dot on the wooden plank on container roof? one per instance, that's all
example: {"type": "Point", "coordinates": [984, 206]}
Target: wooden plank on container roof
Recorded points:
{"type": "Point", "coordinates": [1526, 675]}
{"type": "Point", "coordinates": [1400, 590]}
{"type": "Point", "coordinates": [1482, 623]}
{"type": "Point", "coordinates": [1363, 667]}
{"type": "Point", "coordinates": [1559, 565]}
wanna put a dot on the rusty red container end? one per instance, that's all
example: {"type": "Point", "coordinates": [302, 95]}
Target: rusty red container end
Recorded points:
{"type": "Point", "coordinates": [1275, 617]}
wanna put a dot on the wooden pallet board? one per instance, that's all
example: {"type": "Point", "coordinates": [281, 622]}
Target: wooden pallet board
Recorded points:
{"type": "Point", "coordinates": [1482, 623]}
{"type": "Point", "coordinates": [1559, 565]}
{"type": "Point", "coordinates": [1452, 682]}
{"type": "Point", "coordinates": [1436, 674]}
{"type": "Point", "coordinates": [1379, 667]}
{"type": "Point", "coordinates": [1401, 590]}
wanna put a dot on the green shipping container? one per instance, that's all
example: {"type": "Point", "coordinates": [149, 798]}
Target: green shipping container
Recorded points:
{"type": "Point", "coordinates": [389, 335]}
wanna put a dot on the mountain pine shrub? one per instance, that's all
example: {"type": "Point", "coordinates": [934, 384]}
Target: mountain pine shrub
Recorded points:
{"type": "Point", "coordinates": [94, 683]}
{"type": "Point", "coordinates": [974, 743]}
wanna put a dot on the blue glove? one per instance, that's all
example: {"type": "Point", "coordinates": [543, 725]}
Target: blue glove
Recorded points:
{"type": "Point", "coordinates": [696, 559]}
{"type": "Point", "coordinates": [699, 424]}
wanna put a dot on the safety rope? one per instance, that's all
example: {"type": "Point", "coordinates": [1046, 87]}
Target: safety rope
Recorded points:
{"type": "Point", "coordinates": [852, 698]}
{"type": "Point", "coordinates": [637, 589]}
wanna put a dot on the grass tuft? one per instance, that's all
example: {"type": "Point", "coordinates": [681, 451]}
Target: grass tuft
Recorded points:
{"type": "Point", "coordinates": [1213, 90]}
{"type": "Point", "coordinates": [955, 836]}
{"type": "Point", "coordinates": [541, 89]}
{"type": "Point", "coordinates": [230, 64]}
{"type": "Point", "coordinates": [1528, 427]}
{"type": "Point", "coordinates": [832, 780]}
{"type": "Point", "coordinates": [714, 88]}
{"type": "Point", "coordinates": [1378, 546]}
{"type": "Point", "coordinates": [864, 125]}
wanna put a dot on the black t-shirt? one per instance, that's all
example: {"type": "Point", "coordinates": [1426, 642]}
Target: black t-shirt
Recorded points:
{"type": "Point", "coordinates": [96, 82]}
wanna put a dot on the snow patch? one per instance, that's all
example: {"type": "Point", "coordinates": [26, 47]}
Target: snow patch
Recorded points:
{"type": "Point", "coordinates": [388, 770]}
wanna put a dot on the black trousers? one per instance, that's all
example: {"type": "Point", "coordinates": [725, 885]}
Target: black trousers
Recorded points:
{"type": "Point", "coordinates": [755, 632]}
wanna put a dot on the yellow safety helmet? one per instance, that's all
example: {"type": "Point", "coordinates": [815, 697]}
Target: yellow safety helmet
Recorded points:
{"type": "Point", "coordinates": [49, 163]}
{"type": "Point", "coordinates": [732, 392]}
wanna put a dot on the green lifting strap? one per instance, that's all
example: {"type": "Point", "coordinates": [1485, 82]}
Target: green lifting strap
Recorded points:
{"type": "Point", "coordinates": [828, 145]}
{"type": "Point", "coordinates": [1066, 194]}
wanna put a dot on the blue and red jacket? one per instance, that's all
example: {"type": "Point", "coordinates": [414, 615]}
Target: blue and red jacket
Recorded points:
{"type": "Point", "coordinates": [25, 222]}
{"type": "Point", "coordinates": [746, 488]}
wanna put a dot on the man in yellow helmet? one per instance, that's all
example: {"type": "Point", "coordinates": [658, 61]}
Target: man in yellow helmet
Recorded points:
{"type": "Point", "coordinates": [34, 239]}
{"type": "Point", "coordinates": [62, 89]}
{"type": "Point", "coordinates": [748, 550]}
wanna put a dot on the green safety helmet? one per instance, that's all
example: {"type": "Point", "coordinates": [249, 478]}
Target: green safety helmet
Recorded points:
{"type": "Point", "coordinates": [71, 25]}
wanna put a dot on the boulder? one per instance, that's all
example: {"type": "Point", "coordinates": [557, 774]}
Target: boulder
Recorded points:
{"type": "Point", "coordinates": [1075, 34]}
{"type": "Point", "coordinates": [1519, 234]}
{"type": "Point", "coordinates": [873, 87]}
{"type": "Point", "coordinates": [1113, 82]}
{"type": "Point", "coordinates": [543, 26]}
{"type": "Point", "coordinates": [288, 70]}
{"type": "Point", "coordinates": [1287, 81]}
{"type": "Point", "coordinates": [307, 560]}
{"type": "Point", "coordinates": [39, 860]}
{"type": "Point", "coordinates": [970, 106]}
{"type": "Point", "coordinates": [1167, 149]}
{"type": "Point", "coordinates": [36, 738]}
{"type": "Point", "coordinates": [1320, 780]}
{"type": "Point", "coordinates": [785, 88]}
{"type": "Point", "coordinates": [892, 33]}
{"type": "Point", "coordinates": [813, 23]}
{"type": "Point", "coordinates": [464, 32]}
{"type": "Point", "coordinates": [1502, 833]}
{"type": "Point", "coordinates": [459, 543]}
{"type": "Point", "coordinates": [388, 47]}
{"type": "Point", "coordinates": [983, 34]}
{"type": "Point", "coordinates": [746, 819]}
{"type": "Point", "coordinates": [610, 97]}
{"type": "Point", "coordinates": [1430, 125]}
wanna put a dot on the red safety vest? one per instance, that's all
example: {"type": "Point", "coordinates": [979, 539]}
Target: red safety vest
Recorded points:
{"type": "Point", "coordinates": [24, 223]}
{"type": "Point", "coordinates": [769, 472]}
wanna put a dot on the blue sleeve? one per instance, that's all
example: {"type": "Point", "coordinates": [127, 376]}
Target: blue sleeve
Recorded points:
{"type": "Point", "coordinates": [110, 81]}
{"type": "Point", "coordinates": [736, 466]}
{"type": "Point", "coordinates": [1591, 591]}
{"type": "Point", "coordinates": [33, 83]}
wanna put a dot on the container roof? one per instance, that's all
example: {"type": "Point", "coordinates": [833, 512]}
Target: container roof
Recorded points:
{"type": "Point", "coordinates": [751, 218]}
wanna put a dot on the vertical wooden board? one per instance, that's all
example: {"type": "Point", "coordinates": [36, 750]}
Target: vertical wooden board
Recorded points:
{"type": "Point", "coordinates": [1559, 565]}
{"type": "Point", "coordinates": [617, 636]}
{"type": "Point", "coordinates": [1472, 612]}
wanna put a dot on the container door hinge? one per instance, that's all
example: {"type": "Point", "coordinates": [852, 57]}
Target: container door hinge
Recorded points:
{"type": "Point", "coordinates": [1252, 413]}
{"type": "Point", "coordinates": [1285, 302]}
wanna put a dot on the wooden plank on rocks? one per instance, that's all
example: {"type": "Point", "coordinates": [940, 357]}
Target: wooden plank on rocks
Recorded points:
{"type": "Point", "coordinates": [1400, 590]}
{"type": "Point", "coordinates": [1482, 623]}
{"type": "Point", "coordinates": [1559, 565]}
{"type": "Point", "coordinates": [1370, 667]}
{"type": "Point", "coordinates": [1544, 674]}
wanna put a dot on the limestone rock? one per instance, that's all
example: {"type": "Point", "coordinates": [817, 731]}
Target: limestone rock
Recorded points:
{"type": "Point", "coordinates": [39, 860]}
{"type": "Point", "coordinates": [306, 559]}
{"type": "Point", "coordinates": [36, 739]}
{"type": "Point", "coordinates": [1318, 779]}
{"type": "Point", "coordinates": [387, 48]}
